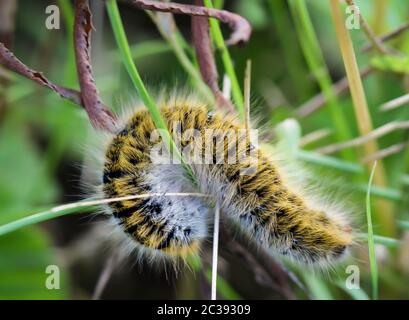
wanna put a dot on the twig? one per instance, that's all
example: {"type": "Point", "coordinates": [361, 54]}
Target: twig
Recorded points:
{"type": "Point", "coordinates": [395, 103]}
{"type": "Point", "coordinates": [314, 136]}
{"type": "Point", "coordinates": [388, 36]}
{"type": "Point", "coordinates": [240, 26]}
{"type": "Point", "coordinates": [374, 134]}
{"type": "Point", "coordinates": [396, 148]}
{"type": "Point", "coordinates": [340, 87]}
{"type": "Point", "coordinates": [105, 275]}
{"type": "Point", "coordinates": [10, 61]}
{"type": "Point", "coordinates": [215, 251]}
{"type": "Point", "coordinates": [266, 270]}
{"type": "Point", "coordinates": [202, 43]}
{"type": "Point", "coordinates": [228, 64]}
{"type": "Point", "coordinates": [376, 43]}
{"type": "Point", "coordinates": [99, 115]}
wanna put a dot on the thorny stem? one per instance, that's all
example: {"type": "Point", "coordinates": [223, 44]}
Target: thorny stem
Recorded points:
{"type": "Point", "coordinates": [202, 43]}
{"type": "Point", "coordinates": [221, 46]}
{"type": "Point", "coordinates": [100, 118]}
{"type": "Point", "coordinates": [241, 27]}
{"type": "Point", "coordinates": [99, 115]}
{"type": "Point", "coordinates": [10, 61]}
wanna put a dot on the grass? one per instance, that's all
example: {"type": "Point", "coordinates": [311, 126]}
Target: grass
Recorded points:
{"type": "Point", "coordinates": [223, 287]}
{"type": "Point", "coordinates": [179, 47]}
{"type": "Point", "coordinates": [371, 241]}
{"type": "Point", "coordinates": [315, 60]}
{"type": "Point", "coordinates": [70, 76]}
{"type": "Point", "coordinates": [362, 113]}
{"type": "Point", "coordinates": [47, 215]}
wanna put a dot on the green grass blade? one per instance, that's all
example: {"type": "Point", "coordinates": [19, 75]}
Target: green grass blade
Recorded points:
{"type": "Point", "coordinates": [382, 240]}
{"type": "Point", "coordinates": [179, 46]}
{"type": "Point", "coordinates": [289, 45]}
{"type": "Point", "coordinates": [386, 241]}
{"type": "Point", "coordinates": [70, 75]}
{"type": "Point", "coordinates": [371, 240]}
{"type": "Point", "coordinates": [47, 215]}
{"type": "Point", "coordinates": [319, 289]}
{"type": "Point", "coordinates": [223, 287]}
{"type": "Point", "coordinates": [148, 48]}
{"type": "Point", "coordinates": [315, 60]}
{"type": "Point", "coordinates": [218, 4]}
{"type": "Point", "coordinates": [331, 162]}
{"type": "Point", "coordinates": [356, 294]}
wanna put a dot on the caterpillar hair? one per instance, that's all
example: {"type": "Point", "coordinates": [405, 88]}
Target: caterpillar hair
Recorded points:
{"type": "Point", "coordinates": [254, 193]}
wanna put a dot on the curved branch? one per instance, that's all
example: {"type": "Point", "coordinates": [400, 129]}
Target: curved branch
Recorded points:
{"type": "Point", "coordinates": [207, 65]}
{"type": "Point", "coordinates": [240, 26]}
{"type": "Point", "coordinates": [99, 115]}
{"type": "Point", "coordinates": [10, 61]}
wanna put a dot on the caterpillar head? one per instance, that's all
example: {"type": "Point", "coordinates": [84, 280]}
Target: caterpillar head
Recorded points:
{"type": "Point", "coordinates": [313, 237]}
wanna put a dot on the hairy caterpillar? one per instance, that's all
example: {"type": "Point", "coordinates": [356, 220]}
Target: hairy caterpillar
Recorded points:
{"type": "Point", "coordinates": [272, 212]}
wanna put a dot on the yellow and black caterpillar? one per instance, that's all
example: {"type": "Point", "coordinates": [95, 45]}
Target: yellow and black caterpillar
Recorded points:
{"type": "Point", "coordinates": [265, 207]}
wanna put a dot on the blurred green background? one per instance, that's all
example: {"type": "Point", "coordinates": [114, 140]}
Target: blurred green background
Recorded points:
{"type": "Point", "coordinates": [42, 141]}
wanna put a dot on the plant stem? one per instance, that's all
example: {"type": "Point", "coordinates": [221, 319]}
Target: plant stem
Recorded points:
{"type": "Point", "coordinates": [371, 241]}
{"type": "Point", "coordinates": [227, 62]}
{"type": "Point", "coordinates": [315, 60]}
{"type": "Point", "coordinates": [46, 215]}
{"type": "Point", "coordinates": [178, 45]}
{"type": "Point", "coordinates": [384, 216]}
{"type": "Point", "coordinates": [291, 52]}
{"type": "Point", "coordinates": [67, 10]}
